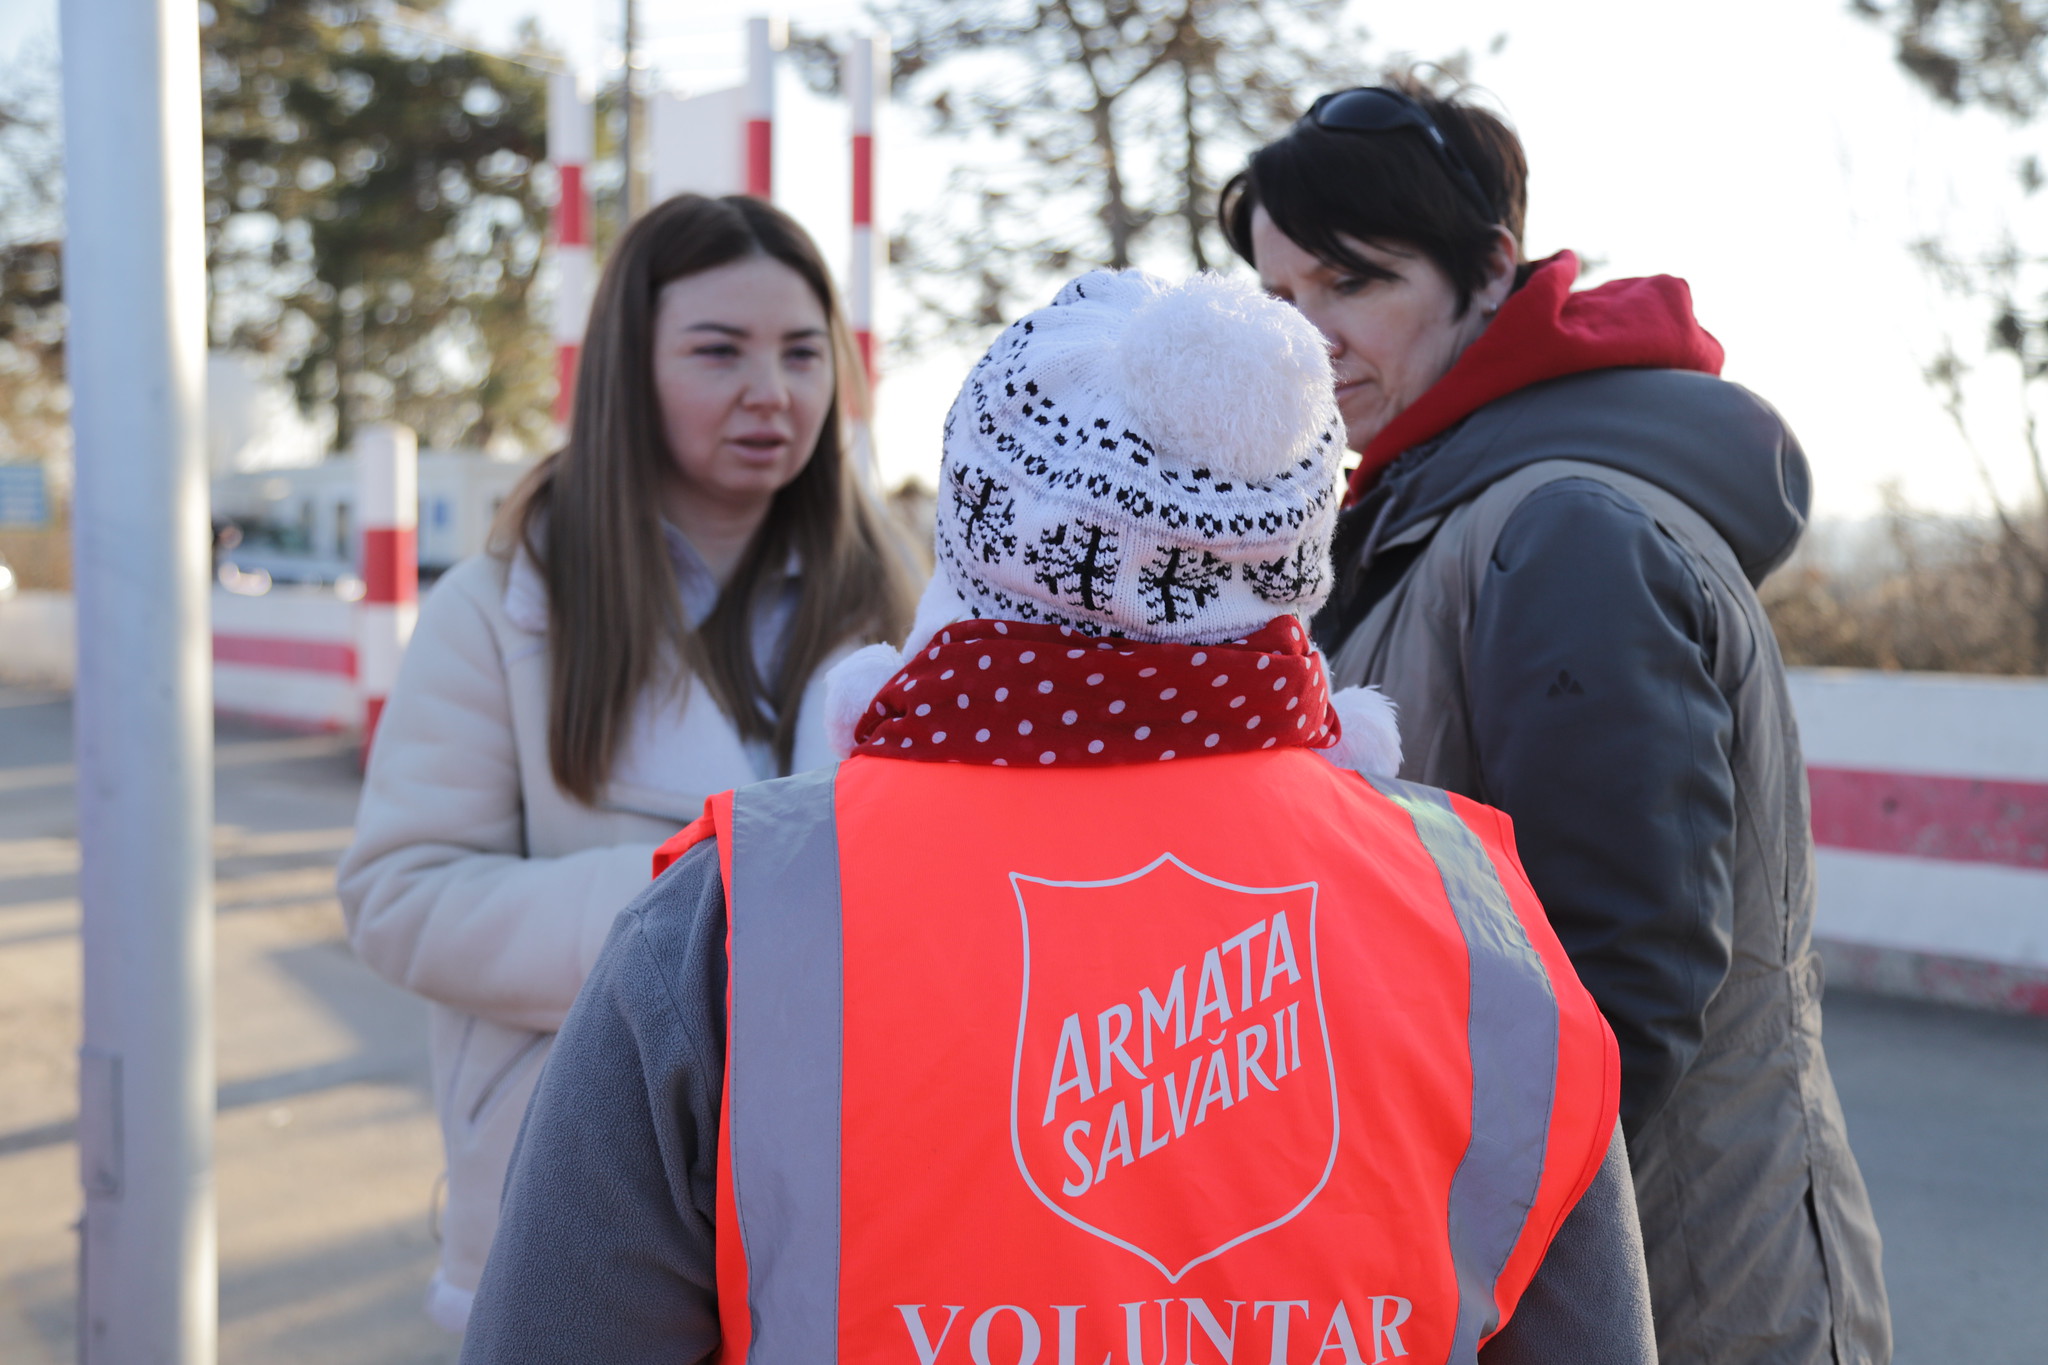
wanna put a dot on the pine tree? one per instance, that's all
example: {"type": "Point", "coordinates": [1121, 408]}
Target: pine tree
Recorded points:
{"type": "Point", "coordinates": [34, 405]}
{"type": "Point", "coordinates": [374, 221]}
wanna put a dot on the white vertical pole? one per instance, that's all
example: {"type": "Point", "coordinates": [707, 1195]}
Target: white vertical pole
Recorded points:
{"type": "Point", "coordinates": [388, 509]}
{"type": "Point", "coordinates": [759, 113]}
{"type": "Point", "coordinates": [135, 289]}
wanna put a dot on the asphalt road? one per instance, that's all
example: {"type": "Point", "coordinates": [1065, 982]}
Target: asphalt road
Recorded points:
{"type": "Point", "coordinates": [328, 1157]}
{"type": "Point", "coordinates": [1948, 1115]}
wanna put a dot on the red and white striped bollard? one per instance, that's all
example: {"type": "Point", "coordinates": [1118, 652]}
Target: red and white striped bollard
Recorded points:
{"type": "Point", "coordinates": [387, 501]}
{"type": "Point", "coordinates": [759, 111]}
{"type": "Point", "coordinates": [866, 79]}
{"type": "Point", "coordinates": [570, 136]}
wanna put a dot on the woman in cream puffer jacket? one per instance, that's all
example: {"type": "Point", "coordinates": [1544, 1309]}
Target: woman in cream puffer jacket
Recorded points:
{"type": "Point", "coordinates": [478, 883]}
{"type": "Point", "coordinates": [700, 549]}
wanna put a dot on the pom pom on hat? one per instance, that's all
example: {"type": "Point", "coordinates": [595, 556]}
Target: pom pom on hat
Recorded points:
{"type": "Point", "coordinates": [1370, 742]}
{"type": "Point", "coordinates": [851, 684]}
{"type": "Point", "coordinates": [1218, 367]}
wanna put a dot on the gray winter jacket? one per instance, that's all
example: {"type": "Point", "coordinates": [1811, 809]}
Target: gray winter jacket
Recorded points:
{"type": "Point", "coordinates": [1558, 594]}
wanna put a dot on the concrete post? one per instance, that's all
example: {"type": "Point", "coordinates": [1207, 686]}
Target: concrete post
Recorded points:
{"type": "Point", "coordinates": [135, 288]}
{"type": "Point", "coordinates": [388, 503]}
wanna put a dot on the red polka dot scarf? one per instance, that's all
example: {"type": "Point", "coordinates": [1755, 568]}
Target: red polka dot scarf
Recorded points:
{"type": "Point", "coordinates": [1011, 694]}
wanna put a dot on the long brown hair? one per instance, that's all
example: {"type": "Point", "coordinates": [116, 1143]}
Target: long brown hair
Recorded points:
{"type": "Point", "coordinates": [589, 516]}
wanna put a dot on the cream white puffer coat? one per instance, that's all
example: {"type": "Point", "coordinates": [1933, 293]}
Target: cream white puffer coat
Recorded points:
{"type": "Point", "coordinates": [478, 883]}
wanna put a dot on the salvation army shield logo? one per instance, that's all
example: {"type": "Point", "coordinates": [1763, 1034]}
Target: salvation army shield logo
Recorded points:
{"type": "Point", "coordinates": [1173, 1091]}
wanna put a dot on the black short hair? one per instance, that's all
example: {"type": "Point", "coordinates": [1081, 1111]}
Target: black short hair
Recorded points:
{"type": "Point", "coordinates": [1321, 185]}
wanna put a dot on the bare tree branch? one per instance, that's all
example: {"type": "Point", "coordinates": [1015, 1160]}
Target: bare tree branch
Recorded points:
{"type": "Point", "coordinates": [1117, 119]}
{"type": "Point", "coordinates": [1993, 54]}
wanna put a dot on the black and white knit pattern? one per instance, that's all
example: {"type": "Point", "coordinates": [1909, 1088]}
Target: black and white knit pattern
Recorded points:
{"type": "Point", "coordinates": [1145, 460]}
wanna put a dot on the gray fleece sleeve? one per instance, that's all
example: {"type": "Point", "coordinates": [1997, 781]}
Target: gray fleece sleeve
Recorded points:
{"type": "Point", "coordinates": [1590, 1301]}
{"type": "Point", "coordinates": [605, 1242]}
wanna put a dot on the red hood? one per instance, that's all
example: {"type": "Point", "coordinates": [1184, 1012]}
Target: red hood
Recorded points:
{"type": "Point", "coordinates": [1544, 331]}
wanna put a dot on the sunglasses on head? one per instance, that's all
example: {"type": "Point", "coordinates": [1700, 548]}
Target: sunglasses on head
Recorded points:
{"type": "Point", "coordinates": [1377, 109]}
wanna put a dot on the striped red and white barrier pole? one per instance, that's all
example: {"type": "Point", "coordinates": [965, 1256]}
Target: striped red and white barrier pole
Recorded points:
{"type": "Point", "coordinates": [866, 78]}
{"type": "Point", "coordinates": [760, 106]}
{"type": "Point", "coordinates": [387, 500]}
{"type": "Point", "coordinates": [570, 136]}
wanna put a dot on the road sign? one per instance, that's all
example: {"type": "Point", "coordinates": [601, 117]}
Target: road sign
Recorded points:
{"type": "Point", "coordinates": [24, 496]}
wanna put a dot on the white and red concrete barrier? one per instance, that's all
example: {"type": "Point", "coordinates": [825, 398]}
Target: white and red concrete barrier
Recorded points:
{"type": "Point", "coordinates": [1930, 791]}
{"type": "Point", "coordinates": [1930, 820]}
{"type": "Point", "coordinates": [286, 658]}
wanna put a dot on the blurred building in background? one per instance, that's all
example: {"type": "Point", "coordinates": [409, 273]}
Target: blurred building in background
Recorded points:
{"type": "Point", "coordinates": [300, 525]}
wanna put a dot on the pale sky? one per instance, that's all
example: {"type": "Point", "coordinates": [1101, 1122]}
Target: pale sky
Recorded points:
{"type": "Point", "coordinates": [1768, 151]}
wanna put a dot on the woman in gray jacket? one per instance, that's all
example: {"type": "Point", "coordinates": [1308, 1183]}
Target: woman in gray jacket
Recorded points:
{"type": "Point", "coordinates": [652, 627]}
{"type": "Point", "coordinates": [1548, 561]}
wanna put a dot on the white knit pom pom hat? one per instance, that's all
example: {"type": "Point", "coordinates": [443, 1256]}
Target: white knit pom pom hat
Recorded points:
{"type": "Point", "coordinates": [1146, 460]}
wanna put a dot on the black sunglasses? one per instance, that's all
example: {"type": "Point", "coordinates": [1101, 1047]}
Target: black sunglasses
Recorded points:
{"type": "Point", "coordinates": [1376, 109]}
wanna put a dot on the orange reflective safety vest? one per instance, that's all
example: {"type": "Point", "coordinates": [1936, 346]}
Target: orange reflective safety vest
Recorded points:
{"type": "Point", "coordinates": [1242, 1059]}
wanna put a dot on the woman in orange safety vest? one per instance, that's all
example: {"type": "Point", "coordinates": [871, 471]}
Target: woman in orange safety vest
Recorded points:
{"type": "Point", "coordinates": [1112, 1001]}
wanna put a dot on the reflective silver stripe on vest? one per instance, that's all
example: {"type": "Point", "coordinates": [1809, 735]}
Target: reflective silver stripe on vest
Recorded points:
{"type": "Point", "coordinates": [783, 1057]}
{"type": "Point", "coordinates": [1512, 1032]}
